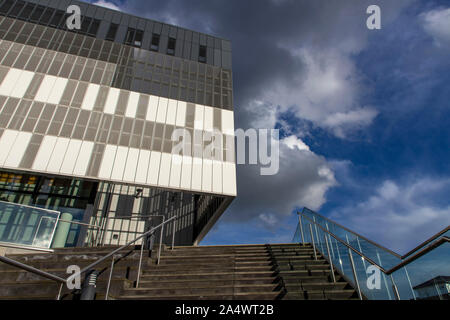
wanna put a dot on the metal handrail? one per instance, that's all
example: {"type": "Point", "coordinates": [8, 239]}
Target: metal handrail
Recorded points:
{"type": "Point", "coordinates": [32, 269]}
{"type": "Point", "coordinates": [120, 248]}
{"type": "Point", "coordinates": [64, 281]}
{"type": "Point", "coordinates": [360, 236]}
{"type": "Point", "coordinates": [402, 257]}
{"type": "Point", "coordinates": [437, 235]}
{"type": "Point", "coordinates": [395, 268]}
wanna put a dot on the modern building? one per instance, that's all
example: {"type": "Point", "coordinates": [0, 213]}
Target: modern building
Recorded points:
{"type": "Point", "coordinates": [87, 118]}
{"type": "Point", "coordinates": [437, 288]}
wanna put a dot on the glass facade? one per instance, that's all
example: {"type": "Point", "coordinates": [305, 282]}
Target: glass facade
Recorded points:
{"type": "Point", "coordinates": [87, 117]}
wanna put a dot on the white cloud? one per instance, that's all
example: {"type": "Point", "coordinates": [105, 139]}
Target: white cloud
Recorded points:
{"type": "Point", "coordinates": [107, 4]}
{"type": "Point", "coordinates": [294, 142]}
{"type": "Point", "coordinates": [437, 24]}
{"type": "Point", "coordinates": [327, 93]}
{"type": "Point", "coordinates": [303, 180]}
{"type": "Point", "coordinates": [400, 215]}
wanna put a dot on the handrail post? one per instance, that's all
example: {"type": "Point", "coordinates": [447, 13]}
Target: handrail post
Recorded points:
{"type": "Point", "coordinates": [394, 288]}
{"type": "Point", "coordinates": [173, 233]}
{"type": "Point", "coordinates": [358, 289]}
{"type": "Point", "coordinates": [59, 291]}
{"type": "Point", "coordinates": [313, 243]}
{"type": "Point", "coordinates": [110, 277]}
{"type": "Point", "coordinates": [140, 263]}
{"type": "Point", "coordinates": [160, 240]}
{"type": "Point", "coordinates": [301, 227]}
{"type": "Point", "coordinates": [329, 258]}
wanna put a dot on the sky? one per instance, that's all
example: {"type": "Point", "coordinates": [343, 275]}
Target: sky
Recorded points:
{"type": "Point", "coordinates": [364, 115]}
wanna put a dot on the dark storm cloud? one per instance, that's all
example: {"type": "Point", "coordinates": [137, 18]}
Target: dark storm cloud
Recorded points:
{"type": "Point", "coordinates": [269, 72]}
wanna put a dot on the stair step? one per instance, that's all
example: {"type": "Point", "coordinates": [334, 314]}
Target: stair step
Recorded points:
{"type": "Point", "coordinates": [207, 276]}
{"type": "Point", "coordinates": [199, 289]}
{"type": "Point", "coordinates": [218, 296]}
{"type": "Point", "coordinates": [205, 282]}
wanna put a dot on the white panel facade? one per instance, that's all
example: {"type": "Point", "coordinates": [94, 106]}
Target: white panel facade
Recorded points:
{"type": "Point", "coordinates": [229, 178]}
{"type": "Point", "coordinates": [152, 108]}
{"type": "Point", "coordinates": [153, 169]}
{"type": "Point", "coordinates": [207, 175]}
{"type": "Point", "coordinates": [18, 149]}
{"type": "Point", "coordinates": [45, 88]}
{"type": "Point", "coordinates": [162, 110]}
{"type": "Point", "coordinates": [22, 84]}
{"type": "Point", "coordinates": [70, 158]}
{"type": "Point", "coordinates": [90, 96]}
{"type": "Point", "coordinates": [142, 167]}
{"type": "Point", "coordinates": [57, 91]}
{"type": "Point", "coordinates": [45, 151]}
{"type": "Point", "coordinates": [111, 101]}
{"type": "Point", "coordinates": [9, 82]}
{"type": "Point", "coordinates": [197, 170]}
{"type": "Point", "coordinates": [131, 165]}
{"type": "Point", "coordinates": [83, 158]}
{"type": "Point", "coordinates": [171, 112]}
{"type": "Point", "coordinates": [175, 171]}
{"type": "Point", "coordinates": [132, 105]}
{"type": "Point", "coordinates": [181, 114]}
{"type": "Point", "coordinates": [186, 173]}
{"type": "Point", "coordinates": [119, 163]}
{"type": "Point", "coordinates": [164, 170]}
{"type": "Point", "coordinates": [57, 157]}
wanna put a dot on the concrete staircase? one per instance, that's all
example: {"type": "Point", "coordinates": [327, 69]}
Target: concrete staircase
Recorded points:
{"type": "Point", "coordinates": [245, 272]}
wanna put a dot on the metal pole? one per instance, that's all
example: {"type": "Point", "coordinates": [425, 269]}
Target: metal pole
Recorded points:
{"type": "Point", "coordinates": [59, 291]}
{"type": "Point", "coordinates": [110, 191]}
{"type": "Point", "coordinates": [110, 277]}
{"type": "Point", "coordinates": [317, 234]}
{"type": "Point", "coordinates": [354, 274]}
{"type": "Point", "coordinates": [160, 240]}
{"type": "Point", "coordinates": [313, 243]}
{"type": "Point", "coordinates": [394, 287]}
{"type": "Point", "coordinates": [329, 258]}
{"type": "Point", "coordinates": [140, 263]}
{"type": "Point", "coordinates": [173, 233]}
{"type": "Point", "coordinates": [410, 285]}
{"type": "Point", "coordinates": [384, 276]}
{"type": "Point", "coordinates": [301, 227]}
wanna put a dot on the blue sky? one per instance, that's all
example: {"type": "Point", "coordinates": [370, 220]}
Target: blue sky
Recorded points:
{"type": "Point", "coordinates": [373, 107]}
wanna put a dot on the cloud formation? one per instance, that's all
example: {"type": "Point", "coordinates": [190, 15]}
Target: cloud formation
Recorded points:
{"type": "Point", "coordinates": [437, 24]}
{"type": "Point", "coordinates": [400, 215]}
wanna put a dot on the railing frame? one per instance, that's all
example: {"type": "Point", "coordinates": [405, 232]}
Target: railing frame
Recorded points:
{"type": "Point", "coordinates": [423, 250]}
{"type": "Point", "coordinates": [63, 281]}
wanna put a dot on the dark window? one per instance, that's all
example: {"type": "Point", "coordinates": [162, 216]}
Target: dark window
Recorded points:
{"type": "Point", "coordinates": [124, 206]}
{"type": "Point", "coordinates": [6, 6]}
{"type": "Point", "coordinates": [57, 17]}
{"type": "Point", "coordinates": [202, 54]}
{"type": "Point", "coordinates": [45, 19]}
{"type": "Point", "coordinates": [26, 13]}
{"type": "Point", "coordinates": [130, 36]}
{"type": "Point", "coordinates": [94, 27]}
{"type": "Point", "coordinates": [112, 32]}
{"type": "Point", "coordinates": [171, 46]}
{"type": "Point", "coordinates": [155, 42]}
{"type": "Point", "coordinates": [134, 37]}
{"type": "Point", "coordinates": [17, 8]}
{"type": "Point", "coordinates": [138, 38]}
{"type": "Point", "coordinates": [85, 25]}
{"type": "Point", "coordinates": [37, 13]}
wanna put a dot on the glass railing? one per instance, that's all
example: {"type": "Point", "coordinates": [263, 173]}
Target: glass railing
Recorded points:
{"type": "Point", "coordinates": [380, 273]}
{"type": "Point", "coordinates": [27, 226]}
